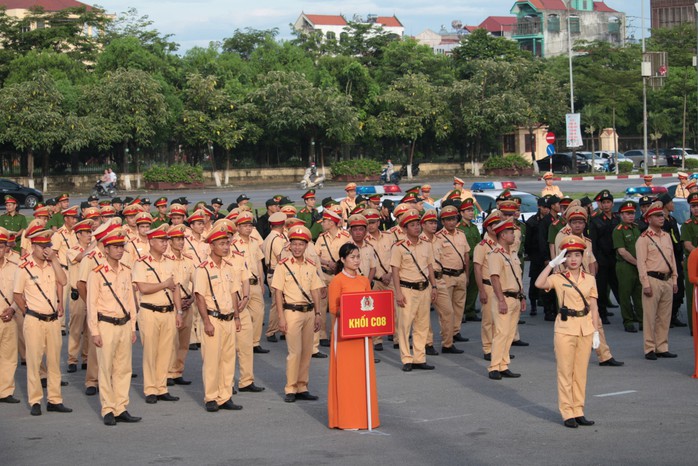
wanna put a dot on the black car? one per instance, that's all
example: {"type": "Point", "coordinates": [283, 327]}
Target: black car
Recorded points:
{"type": "Point", "coordinates": [562, 163]}
{"type": "Point", "coordinates": [26, 197]}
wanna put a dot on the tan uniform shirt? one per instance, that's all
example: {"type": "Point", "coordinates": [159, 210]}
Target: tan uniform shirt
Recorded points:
{"type": "Point", "coordinates": [368, 258]}
{"type": "Point", "coordinates": [89, 262]}
{"type": "Point", "coordinates": [272, 247]}
{"type": "Point", "coordinates": [480, 257]}
{"type": "Point", "coordinates": [551, 191]}
{"type": "Point", "coordinates": [134, 249]}
{"type": "Point", "coordinates": [63, 240]}
{"type": "Point", "coordinates": [649, 259]}
{"type": "Point", "coordinates": [681, 192]}
{"type": "Point", "coordinates": [327, 247]}
{"type": "Point", "coordinates": [397, 234]}
{"type": "Point", "coordinates": [454, 248]}
{"type": "Point", "coordinates": [499, 266]}
{"type": "Point", "coordinates": [306, 274]}
{"type": "Point", "coordinates": [588, 257]}
{"type": "Point", "coordinates": [184, 273]}
{"type": "Point", "coordinates": [381, 250]}
{"type": "Point", "coordinates": [144, 271]}
{"type": "Point", "coordinates": [74, 268]}
{"type": "Point", "coordinates": [198, 249]}
{"type": "Point", "coordinates": [100, 298]}
{"type": "Point", "coordinates": [8, 269]}
{"type": "Point", "coordinates": [252, 251]}
{"type": "Point", "coordinates": [402, 259]}
{"type": "Point", "coordinates": [41, 276]}
{"type": "Point", "coordinates": [224, 282]}
{"type": "Point", "coordinates": [568, 296]}
{"type": "Point", "coordinates": [347, 204]}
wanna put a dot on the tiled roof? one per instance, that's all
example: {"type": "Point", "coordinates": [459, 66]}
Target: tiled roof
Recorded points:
{"type": "Point", "coordinates": [48, 5]}
{"type": "Point", "coordinates": [498, 23]}
{"type": "Point", "coordinates": [603, 8]}
{"type": "Point", "coordinates": [326, 20]}
{"type": "Point", "coordinates": [389, 21]}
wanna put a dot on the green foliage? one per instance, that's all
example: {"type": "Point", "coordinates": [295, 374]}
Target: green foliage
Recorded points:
{"type": "Point", "coordinates": [691, 164]}
{"type": "Point", "coordinates": [625, 167]}
{"type": "Point", "coordinates": [364, 167]}
{"type": "Point", "coordinates": [176, 173]}
{"type": "Point", "coordinates": [514, 161]}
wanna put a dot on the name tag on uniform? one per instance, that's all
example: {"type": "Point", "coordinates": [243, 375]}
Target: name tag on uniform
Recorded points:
{"type": "Point", "coordinates": [107, 284]}
{"type": "Point", "coordinates": [567, 285]}
{"type": "Point", "coordinates": [214, 277]}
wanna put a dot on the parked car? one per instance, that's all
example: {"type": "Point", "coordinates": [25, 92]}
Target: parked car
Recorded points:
{"type": "Point", "coordinates": [562, 163]}
{"type": "Point", "coordinates": [675, 154]}
{"type": "Point", "coordinates": [610, 160]}
{"type": "Point", "coordinates": [600, 165]}
{"type": "Point", "coordinates": [27, 197]}
{"type": "Point", "coordinates": [638, 158]}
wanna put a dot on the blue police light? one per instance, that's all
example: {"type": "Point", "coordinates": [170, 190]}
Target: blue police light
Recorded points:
{"type": "Point", "coordinates": [482, 186]}
{"type": "Point", "coordinates": [364, 190]}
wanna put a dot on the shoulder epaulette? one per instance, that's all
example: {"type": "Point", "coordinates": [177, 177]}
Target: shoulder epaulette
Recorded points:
{"type": "Point", "coordinates": [203, 264]}
{"type": "Point", "coordinates": [24, 264]}
{"type": "Point", "coordinates": [619, 227]}
{"type": "Point", "coordinates": [594, 214]}
{"type": "Point", "coordinates": [283, 260]}
{"type": "Point", "coordinates": [98, 268]}
{"type": "Point", "coordinates": [393, 229]}
{"type": "Point", "coordinates": [238, 253]}
{"type": "Point", "coordinates": [309, 261]}
{"type": "Point", "coordinates": [25, 256]}
{"type": "Point", "coordinates": [690, 220]}
{"type": "Point", "coordinates": [142, 258]}
{"type": "Point", "coordinates": [645, 233]}
{"type": "Point", "coordinates": [344, 233]}
{"type": "Point", "coordinates": [398, 243]}
{"type": "Point", "coordinates": [483, 242]}
{"type": "Point", "coordinates": [125, 265]}
{"type": "Point", "coordinates": [187, 256]}
{"type": "Point", "coordinates": [92, 254]}
{"type": "Point", "coordinates": [77, 248]}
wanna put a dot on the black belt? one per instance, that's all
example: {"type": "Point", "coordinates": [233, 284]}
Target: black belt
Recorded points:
{"type": "Point", "coordinates": [270, 272]}
{"type": "Point", "coordinates": [299, 307]}
{"type": "Point", "coordinates": [64, 266]}
{"type": "Point", "coordinates": [573, 313]}
{"type": "Point", "coordinates": [328, 271]}
{"type": "Point", "coordinates": [486, 282]}
{"type": "Point", "coordinates": [153, 307]}
{"type": "Point", "coordinates": [113, 320]}
{"type": "Point", "coordinates": [453, 272]}
{"type": "Point", "coordinates": [415, 286]}
{"type": "Point", "coordinates": [438, 275]}
{"type": "Point", "coordinates": [254, 281]}
{"type": "Point", "coordinates": [514, 294]}
{"type": "Point", "coordinates": [43, 317]}
{"type": "Point", "coordinates": [218, 315]}
{"type": "Point", "coordinates": [659, 275]}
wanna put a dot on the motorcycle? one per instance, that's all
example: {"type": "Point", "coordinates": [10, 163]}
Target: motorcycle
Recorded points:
{"type": "Point", "coordinates": [312, 180]}
{"type": "Point", "coordinates": [100, 190]}
{"type": "Point", "coordinates": [395, 177]}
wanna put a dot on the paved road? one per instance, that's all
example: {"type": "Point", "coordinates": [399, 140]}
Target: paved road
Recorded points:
{"type": "Point", "coordinates": [645, 413]}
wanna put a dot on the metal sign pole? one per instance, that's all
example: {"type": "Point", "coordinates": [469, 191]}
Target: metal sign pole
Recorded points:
{"type": "Point", "coordinates": [368, 383]}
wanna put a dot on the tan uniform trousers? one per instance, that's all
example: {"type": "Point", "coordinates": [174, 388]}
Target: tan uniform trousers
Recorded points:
{"type": "Point", "coordinates": [243, 349]}
{"type": "Point", "coordinates": [218, 368]}
{"type": "Point", "coordinates": [504, 332]}
{"type": "Point", "coordinates": [256, 308]}
{"type": "Point", "coordinates": [181, 344]}
{"type": "Point", "coordinates": [43, 338]}
{"type": "Point", "coordinates": [656, 318]}
{"type": "Point", "coordinates": [158, 331]}
{"type": "Point", "coordinates": [273, 325]}
{"type": "Point", "coordinates": [8, 357]}
{"type": "Point", "coordinates": [603, 352]}
{"type": "Point", "coordinates": [77, 332]}
{"type": "Point", "coordinates": [197, 327]}
{"type": "Point", "coordinates": [456, 291]}
{"type": "Point", "coordinates": [299, 341]}
{"type": "Point", "coordinates": [415, 317]}
{"type": "Point", "coordinates": [572, 356]}
{"type": "Point", "coordinates": [64, 299]}
{"type": "Point", "coordinates": [487, 324]}
{"type": "Point", "coordinates": [92, 374]}
{"type": "Point", "coordinates": [114, 367]}
{"type": "Point", "coordinates": [21, 346]}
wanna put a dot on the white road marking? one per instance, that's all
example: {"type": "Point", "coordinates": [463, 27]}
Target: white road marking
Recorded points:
{"type": "Point", "coordinates": [615, 393]}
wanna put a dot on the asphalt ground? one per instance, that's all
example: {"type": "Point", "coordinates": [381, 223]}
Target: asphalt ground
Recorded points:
{"type": "Point", "coordinates": [645, 412]}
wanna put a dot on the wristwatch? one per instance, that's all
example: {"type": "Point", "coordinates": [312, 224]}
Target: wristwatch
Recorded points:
{"type": "Point", "coordinates": [180, 312]}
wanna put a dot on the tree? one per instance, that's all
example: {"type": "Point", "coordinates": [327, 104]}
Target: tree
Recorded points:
{"type": "Point", "coordinates": [410, 107]}
{"type": "Point", "coordinates": [31, 118]}
{"type": "Point", "coordinates": [480, 45]}
{"type": "Point", "coordinates": [245, 43]}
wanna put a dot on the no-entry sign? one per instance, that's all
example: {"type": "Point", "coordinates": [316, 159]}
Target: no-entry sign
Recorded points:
{"type": "Point", "coordinates": [550, 138]}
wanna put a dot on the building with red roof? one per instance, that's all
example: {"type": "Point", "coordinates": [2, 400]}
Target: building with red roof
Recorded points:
{"type": "Point", "coordinates": [333, 26]}
{"type": "Point", "coordinates": [544, 26]}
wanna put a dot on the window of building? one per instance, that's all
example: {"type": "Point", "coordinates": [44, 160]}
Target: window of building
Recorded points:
{"type": "Point", "coordinates": [331, 35]}
{"type": "Point", "coordinates": [574, 25]}
{"type": "Point", "coordinates": [553, 23]}
{"type": "Point", "coordinates": [509, 143]}
{"type": "Point", "coordinates": [614, 25]}
{"type": "Point", "coordinates": [343, 37]}
{"type": "Point", "coordinates": [529, 142]}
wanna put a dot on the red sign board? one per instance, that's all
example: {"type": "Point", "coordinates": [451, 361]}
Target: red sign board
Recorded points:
{"type": "Point", "coordinates": [366, 314]}
{"type": "Point", "coordinates": [550, 138]}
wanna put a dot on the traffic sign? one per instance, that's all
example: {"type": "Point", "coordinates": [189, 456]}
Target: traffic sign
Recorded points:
{"type": "Point", "coordinates": [550, 150]}
{"type": "Point", "coordinates": [550, 137]}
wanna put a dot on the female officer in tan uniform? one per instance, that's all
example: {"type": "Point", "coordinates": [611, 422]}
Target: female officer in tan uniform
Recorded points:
{"type": "Point", "coordinates": [576, 327]}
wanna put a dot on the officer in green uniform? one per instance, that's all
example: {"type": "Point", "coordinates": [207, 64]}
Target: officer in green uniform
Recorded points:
{"type": "Point", "coordinates": [160, 216]}
{"type": "Point", "coordinates": [56, 221]}
{"type": "Point", "coordinates": [310, 215]}
{"type": "Point", "coordinates": [689, 238]}
{"type": "Point", "coordinates": [522, 228]}
{"type": "Point", "coordinates": [472, 234]}
{"type": "Point", "coordinates": [13, 220]}
{"type": "Point", "coordinates": [624, 237]}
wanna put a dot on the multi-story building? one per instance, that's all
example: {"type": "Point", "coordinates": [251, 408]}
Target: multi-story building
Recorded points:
{"type": "Point", "coordinates": [543, 26]}
{"type": "Point", "coordinates": [669, 13]}
{"type": "Point", "coordinates": [21, 9]}
{"type": "Point", "coordinates": [333, 26]}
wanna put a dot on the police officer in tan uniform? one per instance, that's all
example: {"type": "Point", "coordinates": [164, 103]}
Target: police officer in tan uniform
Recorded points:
{"type": "Point", "coordinates": [111, 318]}
{"type": "Point", "coordinates": [482, 276]}
{"type": "Point", "coordinates": [412, 262]}
{"type": "Point", "coordinates": [216, 284]}
{"type": "Point", "coordinates": [36, 288]}
{"type": "Point", "coordinates": [576, 327]}
{"type": "Point", "coordinates": [348, 203]}
{"type": "Point", "coordinates": [159, 316]}
{"type": "Point", "coordinates": [297, 287]}
{"type": "Point", "coordinates": [429, 223]}
{"type": "Point", "coordinates": [184, 274]}
{"type": "Point", "coordinates": [509, 300]}
{"type": "Point", "coordinates": [8, 325]}
{"type": "Point", "coordinates": [273, 245]}
{"type": "Point", "coordinates": [656, 267]}
{"type": "Point", "coordinates": [78, 334]}
{"type": "Point", "coordinates": [138, 245]}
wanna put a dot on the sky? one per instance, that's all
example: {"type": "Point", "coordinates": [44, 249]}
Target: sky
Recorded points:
{"type": "Point", "coordinates": [198, 22]}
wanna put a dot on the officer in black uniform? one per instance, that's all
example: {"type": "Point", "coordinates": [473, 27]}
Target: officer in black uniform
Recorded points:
{"type": "Point", "coordinates": [549, 298]}
{"type": "Point", "coordinates": [263, 221]}
{"type": "Point", "coordinates": [671, 226]}
{"type": "Point", "coordinates": [603, 221]}
{"type": "Point", "coordinates": [532, 249]}
{"type": "Point", "coordinates": [645, 202]}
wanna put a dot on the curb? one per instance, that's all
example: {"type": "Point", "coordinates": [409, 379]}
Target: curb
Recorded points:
{"type": "Point", "coordinates": [611, 177]}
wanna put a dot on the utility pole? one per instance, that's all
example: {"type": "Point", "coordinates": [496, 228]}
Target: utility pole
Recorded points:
{"type": "Point", "coordinates": [569, 54]}
{"type": "Point", "coordinates": [644, 89]}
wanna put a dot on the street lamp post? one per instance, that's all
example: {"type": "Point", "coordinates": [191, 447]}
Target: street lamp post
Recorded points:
{"type": "Point", "coordinates": [569, 54]}
{"type": "Point", "coordinates": [644, 92]}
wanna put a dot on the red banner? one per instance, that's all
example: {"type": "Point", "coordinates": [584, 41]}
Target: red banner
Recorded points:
{"type": "Point", "coordinates": [366, 314]}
